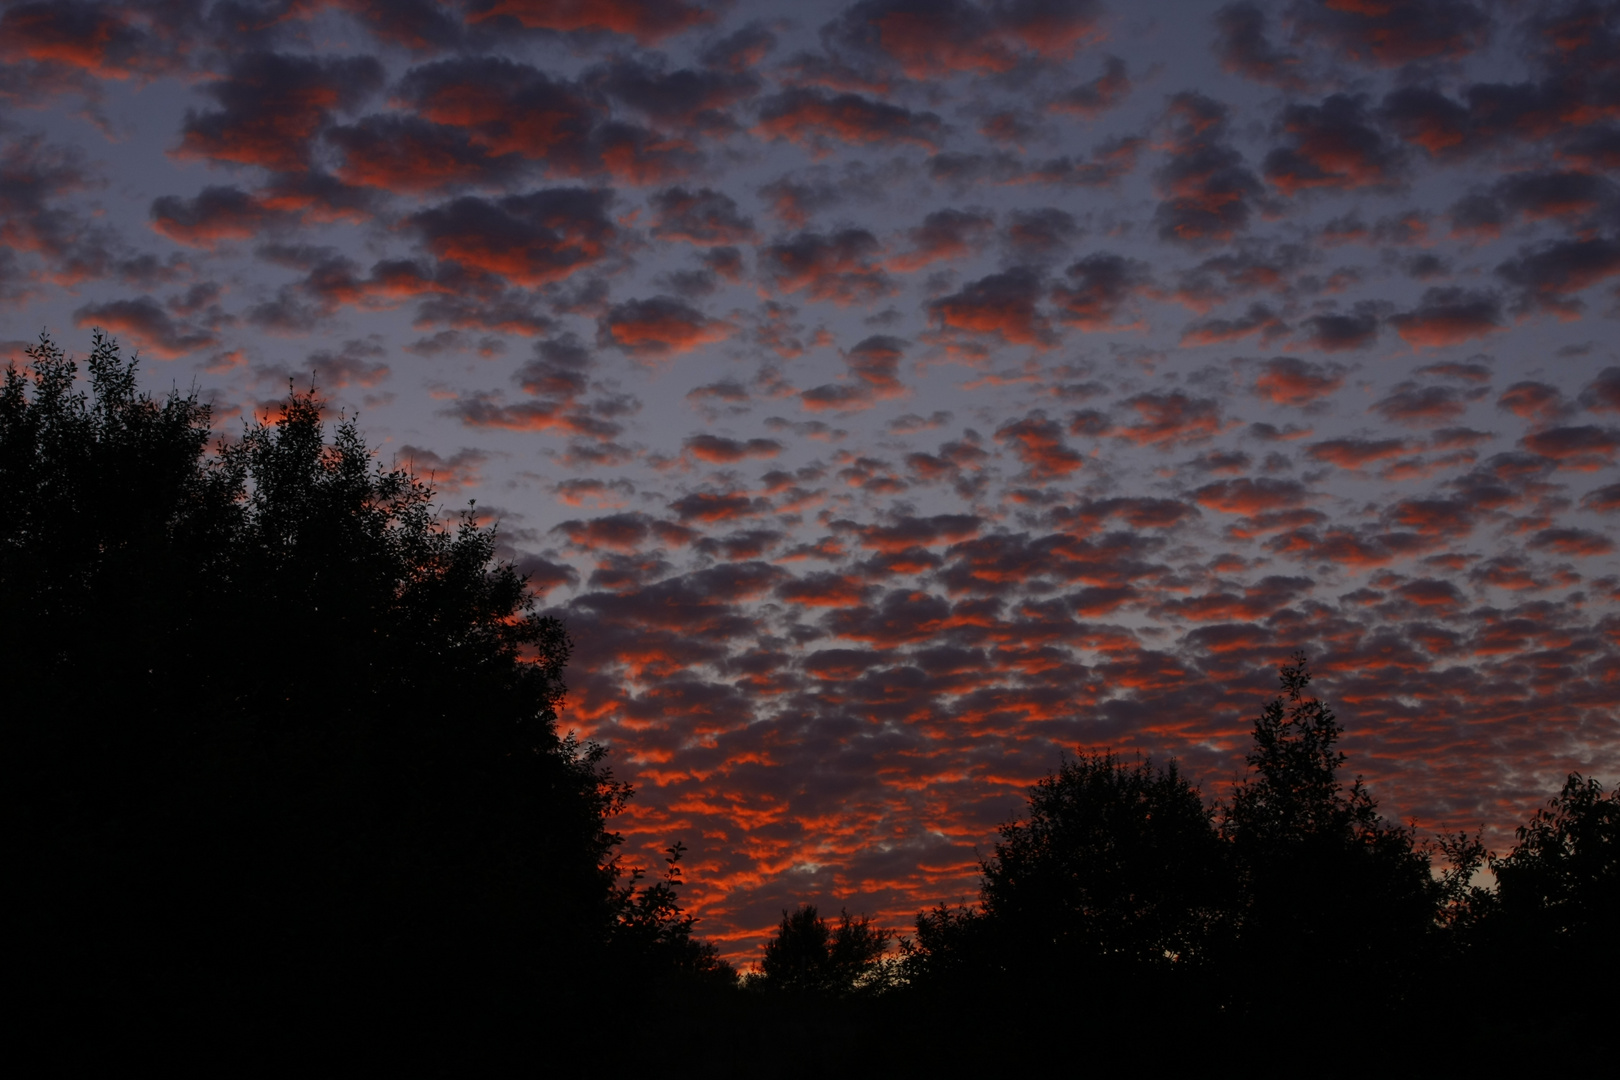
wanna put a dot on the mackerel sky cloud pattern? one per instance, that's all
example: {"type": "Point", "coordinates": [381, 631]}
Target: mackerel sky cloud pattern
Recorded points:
{"type": "Point", "coordinates": [894, 395]}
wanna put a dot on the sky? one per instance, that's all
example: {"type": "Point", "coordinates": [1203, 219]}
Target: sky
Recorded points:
{"type": "Point", "coordinates": [894, 396]}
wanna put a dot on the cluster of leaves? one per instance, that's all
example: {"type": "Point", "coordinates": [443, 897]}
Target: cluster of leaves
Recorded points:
{"type": "Point", "coordinates": [279, 719]}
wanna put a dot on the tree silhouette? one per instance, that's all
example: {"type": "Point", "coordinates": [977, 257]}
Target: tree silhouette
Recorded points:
{"type": "Point", "coordinates": [1551, 922]}
{"type": "Point", "coordinates": [286, 740]}
{"type": "Point", "coordinates": [1113, 864]}
{"type": "Point", "coordinates": [809, 956]}
{"type": "Point", "coordinates": [1332, 895]}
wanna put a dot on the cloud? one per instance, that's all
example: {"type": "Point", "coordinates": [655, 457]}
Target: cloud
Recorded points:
{"type": "Point", "coordinates": [1532, 400]}
{"type": "Point", "coordinates": [712, 507]}
{"type": "Point", "coordinates": [740, 50]}
{"type": "Point", "coordinates": [1003, 305]}
{"type": "Point", "coordinates": [873, 365]}
{"type": "Point", "coordinates": [703, 216]}
{"type": "Point", "coordinates": [1111, 160]}
{"type": "Point", "coordinates": [96, 39]}
{"type": "Point", "coordinates": [1355, 453]}
{"type": "Point", "coordinates": [1041, 234]}
{"type": "Point", "coordinates": [1548, 276]}
{"type": "Point", "coordinates": [216, 213]}
{"type": "Point", "coordinates": [836, 266]}
{"type": "Point", "coordinates": [1288, 380]}
{"type": "Point", "coordinates": [1091, 99]}
{"type": "Point", "coordinates": [686, 97]}
{"type": "Point", "coordinates": [658, 327]}
{"type": "Point", "coordinates": [943, 234]}
{"type": "Point", "coordinates": [272, 105]}
{"type": "Point", "coordinates": [1391, 34]}
{"type": "Point", "coordinates": [1602, 394]}
{"type": "Point", "coordinates": [907, 531]}
{"type": "Point", "coordinates": [1039, 444]}
{"type": "Point", "coordinates": [144, 321]}
{"type": "Point", "coordinates": [1259, 319]}
{"type": "Point", "coordinates": [508, 110]}
{"type": "Point", "coordinates": [938, 38]}
{"type": "Point", "coordinates": [1603, 500]}
{"type": "Point", "coordinates": [1570, 541]}
{"type": "Point", "coordinates": [454, 473]}
{"type": "Point", "coordinates": [1414, 405]}
{"type": "Point", "coordinates": [813, 119]}
{"type": "Point", "coordinates": [1207, 188]}
{"type": "Point", "coordinates": [1250, 496]}
{"type": "Point", "coordinates": [717, 450]}
{"type": "Point", "coordinates": [648, 21]}
{"type": "Point", "coordinates": [529, 239]}
{"type": "Point", "coordinates": [1101, 286]}
{"type": "Point", "coordinates": [1244, 48]}
{"type": "Point", "coordinates": [38, 182]}
{"type": "Point", "coordinates": [1168, 420]}
{"type": "Point", "coordinates": [1583, 447]}
{"type": "Point", "coordinates": [1333, 145]}
{"type": "Point", "coordinates": [626, 532]}
{"type": "Point", "coordinates": [1450, 315]}
{"type": "Point", "coordinates": [422, 26]}
{"type": "Point", "coordinates": [407, 153]}
{"type": "Point", "coordinates": [1342, 331]}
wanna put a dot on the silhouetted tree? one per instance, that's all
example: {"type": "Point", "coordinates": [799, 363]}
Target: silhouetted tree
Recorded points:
{"type": "Point", "coordinates": [1563, 875]}
{"type": "Point", "coordinates": [809, 956]}
{"type": "Point", "coordinates": [282, 739]}
{"type": "Point", "coordinates": [1112, 885]}
{"type": "Point", "coordinates": [1553, 922]}
{"type": "Point", "coordinates": [656, 931]}
{"type": "Point", "coordinates": [1113, 863]}
{"type": "Point", "coordinates": [1332, 895]}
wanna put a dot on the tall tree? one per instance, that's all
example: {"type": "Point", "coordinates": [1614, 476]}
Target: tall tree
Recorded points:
{"type": "Point", "coordinates": [282, 736]}
{"type": "Point", "coordinates": [1332, 895]}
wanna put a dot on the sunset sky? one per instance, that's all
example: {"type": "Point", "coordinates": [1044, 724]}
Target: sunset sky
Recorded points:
{"type": "Point", "coordinates": [893, 396]}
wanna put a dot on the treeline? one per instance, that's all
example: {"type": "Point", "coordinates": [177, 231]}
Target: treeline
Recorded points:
{"type": "Point", "coordinates": [1123, 898]}
{"type": "Point", "coordinates": [286, 757]}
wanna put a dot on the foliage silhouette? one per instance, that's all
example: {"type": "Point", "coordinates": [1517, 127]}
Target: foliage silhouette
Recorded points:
{"type": "Point", "coordinates": [809, 956]}
{"type": "Point", "coordinates": [286, 740]}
